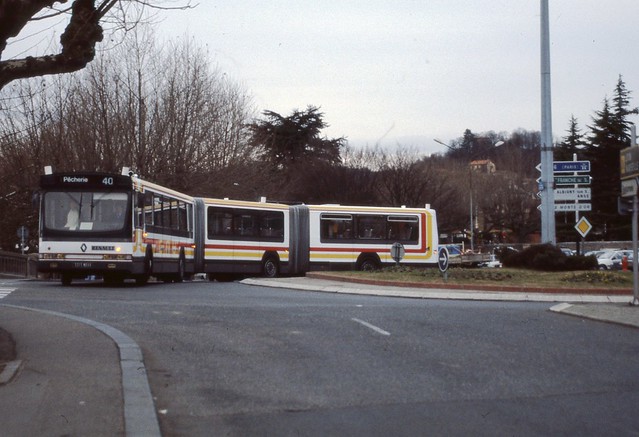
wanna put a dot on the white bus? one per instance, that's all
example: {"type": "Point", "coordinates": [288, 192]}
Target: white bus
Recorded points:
{"type": "Point", "coordinates": [242, 238]}
{"type": "Point", "coordinates": [114, 226]}
{"type": "Point", "coordinates": [120, 226]}
{"type": "Point", "coordinates": [331, 237]}
{"type": "Point", "coordinates": [272, 239]}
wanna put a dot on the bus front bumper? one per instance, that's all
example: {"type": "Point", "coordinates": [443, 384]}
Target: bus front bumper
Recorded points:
{"type": "Point", "coordinates": [90, 267]}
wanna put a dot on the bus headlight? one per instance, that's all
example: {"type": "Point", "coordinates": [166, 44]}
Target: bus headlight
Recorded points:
{"type": "Point", "coordinates": [118, 257]}
{"type": "Point", "coordinates": [51, 256]}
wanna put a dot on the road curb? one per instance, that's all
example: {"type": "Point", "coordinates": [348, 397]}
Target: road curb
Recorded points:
{"type": "Point", "coordinates": [598, 313]}
{"type": "Point", "coordinates": [389, 290]}
{"type": "Point", "coordinates": [140, 417]}
{"type": "Point", "coordinates": [10, 370]}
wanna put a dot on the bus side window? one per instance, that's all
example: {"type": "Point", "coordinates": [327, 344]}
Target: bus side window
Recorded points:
{"type": "Point", "coordinates": [272, 226]}
{"type": "Point", "coordinates": [246, 224]}
{"type": "Point", "coordinates": [148, 209]}
{"type": "Point", "coordinates": [336, 226]}
{"type": "Point", "coordinates": [371, 227]}
{"type": "Point", "coordinates": [220, 223]}
{"type": "Point", "coordinates": [403, 228]}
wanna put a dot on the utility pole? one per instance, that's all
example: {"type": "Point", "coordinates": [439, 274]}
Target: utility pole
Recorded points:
{"type": "Point", "coordinates": [546, 184]}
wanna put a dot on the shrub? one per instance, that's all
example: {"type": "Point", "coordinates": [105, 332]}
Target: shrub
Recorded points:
{"type": "Point", "coordinates": [547, 257]}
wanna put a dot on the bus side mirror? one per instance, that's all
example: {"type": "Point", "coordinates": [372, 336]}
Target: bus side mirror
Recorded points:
{"type": "Point", "coordinates": [35, 200]}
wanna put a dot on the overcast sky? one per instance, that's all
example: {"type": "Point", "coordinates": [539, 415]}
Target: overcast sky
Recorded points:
{"type": "Point", "coordinates": [404, 71]}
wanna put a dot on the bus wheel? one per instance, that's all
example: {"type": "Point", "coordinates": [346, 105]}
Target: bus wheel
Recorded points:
{"type": "Point", "coordinates": [181, 273]}
{"type": "Point", "coordinates": [143, 278]}
{"type": "Point", "coordinates": [270, 268]}
{"type": "Point", "coordinates": [368, 264]}
{"type": "Point", "coordinates": [66, 279]}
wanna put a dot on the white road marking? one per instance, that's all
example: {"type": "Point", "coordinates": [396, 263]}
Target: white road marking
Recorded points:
{"type": "Point", "coordinates": [373, 327]}
{"type": "Point", "coordinates": [4, 292]}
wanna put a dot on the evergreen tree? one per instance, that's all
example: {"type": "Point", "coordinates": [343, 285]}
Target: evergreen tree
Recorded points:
{"type": "Point", "coordinates": [621, 110]}
{"type": "Point", "coordinates": [573, 143]}
{"type": "Point", "coordinates": [287, 141]}
{"type": "Point", "coordinates": [609, 134]}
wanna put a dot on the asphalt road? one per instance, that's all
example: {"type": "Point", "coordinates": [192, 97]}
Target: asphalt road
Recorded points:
{"type": "Point", "coordinates": [231, 359]}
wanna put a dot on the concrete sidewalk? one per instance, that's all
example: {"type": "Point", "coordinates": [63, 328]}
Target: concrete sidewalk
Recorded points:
{"type": "Point", "coordinates": [603, 307]}
{"type": "Point", "coordinates": [72, 376]}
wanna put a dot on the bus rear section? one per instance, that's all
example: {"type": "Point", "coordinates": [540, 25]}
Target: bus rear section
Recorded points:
{"type": "Point", "coordinates": [244, 238]}
{"type": "Point", "coordinates": [335, 237]}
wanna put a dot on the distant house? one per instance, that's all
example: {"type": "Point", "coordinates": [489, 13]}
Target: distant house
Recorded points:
{"type": "Point", "coordinates": [483, 166]}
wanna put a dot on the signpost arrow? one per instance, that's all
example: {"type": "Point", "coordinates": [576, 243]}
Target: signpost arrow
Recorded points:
{"type": "Point", "coordinates": [573, 194]}
{"type": "Point", "coordinates": [564, 207]}
{"type": "Point", "coordinates": [572, 180]}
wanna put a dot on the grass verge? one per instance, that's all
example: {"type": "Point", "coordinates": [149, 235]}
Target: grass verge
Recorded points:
{"type": "Point", "coordinates": [504, 277]}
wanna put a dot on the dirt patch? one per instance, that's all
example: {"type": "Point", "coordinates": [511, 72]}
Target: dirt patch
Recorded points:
{"type": "Point", "coordinates": [7, 348]}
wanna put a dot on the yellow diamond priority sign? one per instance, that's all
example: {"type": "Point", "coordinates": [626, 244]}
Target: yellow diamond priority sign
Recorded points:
{"type": "Point", "coordinates": [583, 226]}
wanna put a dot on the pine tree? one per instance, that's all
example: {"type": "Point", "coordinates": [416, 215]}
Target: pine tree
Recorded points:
{"type": "Point", "coordinates": [621, 110]}
{"type": "Point", "coordinates": [610, 132]}
{"type": "Point", "coordinates": [572, 143]}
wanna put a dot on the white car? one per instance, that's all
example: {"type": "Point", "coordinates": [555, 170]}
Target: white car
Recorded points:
{"type": "Point", "coordinates": [493, 263]}
{"type": "Point", "coordinates": [610, 260]}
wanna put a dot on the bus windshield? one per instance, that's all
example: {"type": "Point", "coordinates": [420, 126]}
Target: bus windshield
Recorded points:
{"type": "Point", "coordinates": [85, 211]}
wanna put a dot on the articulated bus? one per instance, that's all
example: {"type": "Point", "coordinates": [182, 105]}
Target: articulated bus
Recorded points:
{"type": "Point", "coordinates": [272, 239]}
{"type": "Point", "coordinates": [243, 238]}
{"type": "Point", "coordinates": [330, 237]}
{"type": "Point", "coordinates": [120, 226]}
{"type": "Point", "coordinates": [114, 226]}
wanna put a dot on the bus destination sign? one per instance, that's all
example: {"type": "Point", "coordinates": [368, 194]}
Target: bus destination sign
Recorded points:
{"type": "Point", "coordinates": [87, 180]}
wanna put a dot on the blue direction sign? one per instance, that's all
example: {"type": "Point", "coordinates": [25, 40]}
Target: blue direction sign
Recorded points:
{"type": "Point", "coordinates": [571, 166]}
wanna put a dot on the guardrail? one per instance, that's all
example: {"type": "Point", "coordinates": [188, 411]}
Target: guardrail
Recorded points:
{"type": "Point", "coordinates": [15, 264]}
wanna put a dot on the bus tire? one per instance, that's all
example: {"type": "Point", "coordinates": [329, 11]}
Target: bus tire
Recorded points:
{"type": "Point", "coordinates": [270, 267]}
{"type": "Point", "coordinates": [368, 263]}
{"type": "Point", "coordinates": [143, 279]}
{"type": "Point", "coordinates": [181, 273]}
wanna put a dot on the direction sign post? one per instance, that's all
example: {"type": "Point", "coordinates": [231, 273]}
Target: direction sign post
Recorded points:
{"type": "Point", "coordinates": [573, 194]}
{"type": "Point", "coordinates": [442, 262]}
{"type": "Point", "coordinates": [571, 166]}
{"type": "Point", "coordinates": [572, 180]}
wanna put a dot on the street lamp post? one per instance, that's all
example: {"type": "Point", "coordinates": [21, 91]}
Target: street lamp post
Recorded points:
{"type": "Point", "coordinates": [470, 187]}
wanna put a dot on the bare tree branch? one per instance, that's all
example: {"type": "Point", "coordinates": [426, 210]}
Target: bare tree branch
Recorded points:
{"type": "Point", "coordinates": [83, 32]}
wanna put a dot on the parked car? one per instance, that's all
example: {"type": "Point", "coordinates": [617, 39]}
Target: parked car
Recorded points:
{"type": "Point", "coordinates": [594, 253]}
{"type": "Point", "coordinates": [610, 260]}
{"type": "Point", "coordinates": [493, 263]}
{"type": "Point", "coordinates": [567, 252]}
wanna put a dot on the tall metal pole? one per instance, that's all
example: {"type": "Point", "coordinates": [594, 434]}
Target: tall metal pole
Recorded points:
{"type": "Point", "coordinates": [635, 231]}
{"type": "Point", "coordinates": [547, 181]}
{"type": "Point", "coordinates": [635, 264]}
{"type": "Point", "coordinates": [472, 220]}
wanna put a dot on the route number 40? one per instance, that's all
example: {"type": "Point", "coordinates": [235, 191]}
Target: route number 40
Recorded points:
{"type": "Point", "coordinates": [107, 181]}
